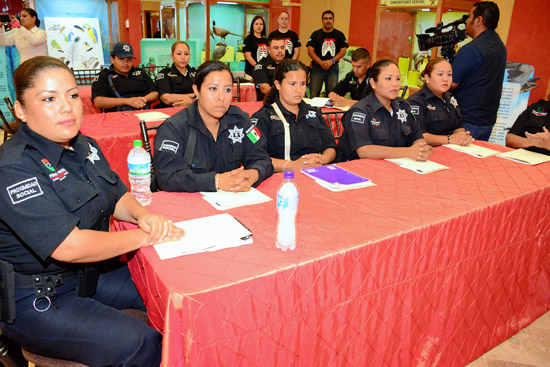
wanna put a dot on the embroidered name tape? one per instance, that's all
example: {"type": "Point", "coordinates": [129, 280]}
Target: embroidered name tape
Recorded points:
{"type": "Point", "coordinates": [24, 190]}
{"type": "Point", "coordinates": [358, 117]}
{"type": "Point", "coordinates": [169, 146]}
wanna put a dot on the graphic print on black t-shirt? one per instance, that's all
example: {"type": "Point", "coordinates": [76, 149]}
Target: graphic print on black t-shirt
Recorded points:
{"type": "Point", "coordinates": [261, 52]}
{"type": "Point", "coordinates": [329, 45]}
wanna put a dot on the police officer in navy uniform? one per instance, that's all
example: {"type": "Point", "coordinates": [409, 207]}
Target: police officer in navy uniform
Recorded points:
{"type": "Point", "coordinates": [58, 194]}
{"type": "Point", "coordinates": [382, 125]}
{"type": "Point", "coordinates": [264, 71]}
{"type": "Point", "coordinates": [435, 109]}
{"type": "Point", "coordinates": [356, 82]}
{"type": "Point", "coordinates": [210, 145]}
{"type": "Point", "coordinates": [122, 87]}
{"type": "Point", "coordinates": [531, 129]}
{"type": "Point", "coordinates": [311, 142]}
{"type": "Point", "coordinates": [175, 84]}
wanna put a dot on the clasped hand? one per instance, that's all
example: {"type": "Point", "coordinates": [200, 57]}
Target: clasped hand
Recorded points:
{"type": "Point", "coordinates": [137, 102]}
{"type": "Point", "coordinates": [239, 179]}
{"type": "Point", "coordinates": [159, 229]}
{"type": "Point", "coordinates": [421, 151]}
{"type": "Point", "coordinates": [461, 138]}
{"type": "Point", "coordinates": [539, 140]}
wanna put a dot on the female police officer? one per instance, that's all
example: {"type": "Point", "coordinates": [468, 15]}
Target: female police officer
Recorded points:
{"type": "Point", "coordinates": [531, 129]}
{"type": "Point", "coordinates": [210, 145]}
{"type": "Point", "coordinates": [175, 84]}
{"type": "Point", "coordinates": [310, 142]}
{"type": "Point", "coordinates": [436, 110]}
{"type": "Point", "coordinates": [58, 193]}
{"type": "Point", "coordinates": [381, 125]}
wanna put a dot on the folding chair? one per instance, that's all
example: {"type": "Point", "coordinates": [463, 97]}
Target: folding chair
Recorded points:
{"type": "Point", "coordinates": [147, 144]}
{"type": "Point", "coordinates": [403, 91]}
{"type": "Point", "coordinates": [333, 121]}
{"type": "Point", "coordinates": [238, 96]}
{"type": "Point", "coordinates": [9, 127]}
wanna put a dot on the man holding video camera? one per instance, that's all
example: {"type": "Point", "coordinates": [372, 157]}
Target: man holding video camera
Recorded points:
{"type": "Point", "coordinates": [478, 71]}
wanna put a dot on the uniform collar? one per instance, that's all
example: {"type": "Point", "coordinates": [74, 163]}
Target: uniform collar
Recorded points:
{"type": "Point", "coordinates": [112, 71]}
{"type": "Point", "coordinates": [53, 151]}
{"type": "Point", "coordinates": [303, 109]}
{"type": "Point", "coordinates": [175, 70]}
{"type": "Point", "coordinates": [195, 118]}
{"type": "Point", "coordinates": [269, 60]}
{"type": "Point", "coordinates": [373, 101]}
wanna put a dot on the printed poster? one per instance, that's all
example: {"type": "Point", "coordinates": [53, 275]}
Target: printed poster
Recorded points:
{"type": "Point", "coordinates": [75, 41]}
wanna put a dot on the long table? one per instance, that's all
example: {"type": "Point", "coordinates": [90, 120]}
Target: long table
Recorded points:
{"type": "Point", "coordinates": [116, 131]}
{"type": "Point", "coordinates": [419, 270]}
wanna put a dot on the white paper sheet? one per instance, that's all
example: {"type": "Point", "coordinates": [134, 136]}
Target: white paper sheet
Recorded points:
{"type": "Point", "coordinates": [421, 167]}
{"type": "Point", "coordinates": [223, 200]}
{"type": "Point", "coordinates": [152, 116]}
{"type": "Point", "coordinates": [473, 149]}
{"type": "Point", "coordinates": [525, 156]}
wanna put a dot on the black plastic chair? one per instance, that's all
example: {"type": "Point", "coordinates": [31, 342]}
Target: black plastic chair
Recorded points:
{"type": "Point", "coordinates": [147, 144]}
{"type": "Point", "coordinates": [238, 95]}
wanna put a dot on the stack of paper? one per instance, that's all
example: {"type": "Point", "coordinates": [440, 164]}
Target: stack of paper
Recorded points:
{"type": "Point", "coordinates": [418, 166]}
{"type": "Point", "coordinates": [223, 200]}
{"type": "Point", "coordinates": [336, 178]}
{"type": "Point", "coordinates": [473, 149]}
{"type": "Point", "coordinates": [318, 102]}
{"type": "Point", "coordinates": [525, 156]}
{"type": "Point", "coordinates": [152, 116]}
{"type": "Point", "coordinates": [200, 236]}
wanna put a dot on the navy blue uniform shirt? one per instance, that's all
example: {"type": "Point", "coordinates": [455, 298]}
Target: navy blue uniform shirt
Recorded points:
{"type": "Point", "coordinates": [532, 120]}
{"type": "Point", "coordinates": [170, 80]}
{"type": "Point", "coordinates": [46, 191]}
{"type": "Point", "coordinates": [309, 132]}
{"type": "Point", "coordinates": [351, 84]}
{"type": "Point", "coordinates": [234, 146]}
{"type": "Point", "coordinates": [264, 72]}
{"type": "Point", "coordinates": [435, 115]}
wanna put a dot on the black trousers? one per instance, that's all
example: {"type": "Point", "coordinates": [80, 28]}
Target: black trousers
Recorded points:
{"type": "Point", "coordinates": [88, 330]}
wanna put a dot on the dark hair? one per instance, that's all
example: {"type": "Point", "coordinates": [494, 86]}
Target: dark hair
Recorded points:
{"type": "Point", "coordinates": [431, 65]}
{"type": "Point", "coordinates": [327, 12]}
{"type": "Point", "coordinates": [28, 72]}
{"type": "Point", "coordinates": [280, 73]}
{"type": "Point", "coordinates": [274, 38]}
{"type": "Point", "coordinates": [254, 21]}
{"type": "Point", "coordinates": [489, 12]}
{"type": "Point", "coordinates": [177, 43]}
{"type": "Point", "coordinates": [208, 67]}
{"type": "Point", "coordinates": [32, 13]}
{"type": "Point", "coordinates": [376, 69]}
{"type": "Point", "coordinates": [360, 54]}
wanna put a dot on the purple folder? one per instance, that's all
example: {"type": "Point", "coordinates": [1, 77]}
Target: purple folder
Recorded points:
{"type": "Point", "coordinates": [334, 174]}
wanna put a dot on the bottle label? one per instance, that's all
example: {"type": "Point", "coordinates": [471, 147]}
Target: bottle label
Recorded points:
{"type": "Point", "coordinates": [141, 169]}
{"type": "Point", "coordinates": [286, 202]}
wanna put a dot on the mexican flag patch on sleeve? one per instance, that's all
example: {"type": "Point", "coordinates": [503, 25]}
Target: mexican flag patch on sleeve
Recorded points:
{"type": "Point", "coordinates": [253, 134]}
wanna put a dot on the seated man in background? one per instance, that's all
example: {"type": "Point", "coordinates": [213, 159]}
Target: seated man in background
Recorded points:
{"type": "Point", "coordinates": [122, 87]}
{"type": "Point", "coordinates": [531, 129]}
{"type": "Point", "coordinates": [356, 82]}
{"type": "Point", "coordinates": [264, 71]}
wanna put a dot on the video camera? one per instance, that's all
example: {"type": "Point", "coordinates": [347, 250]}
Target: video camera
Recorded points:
{"type": "Point", "coordinates": [447, 39]}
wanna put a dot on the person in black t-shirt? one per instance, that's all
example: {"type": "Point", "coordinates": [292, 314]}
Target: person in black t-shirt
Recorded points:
{"type": "Point", "coordinates": [175, 84]}
{"type": "Point", "coordinates": [325, 47]}
{"type": "Point", "coordinates": [264, 71]}
{"type": "Point", "coordinates": [531, 129]}
{"type": "Point", "coordinates": [356, 82]}
{"type": "Point", "coordinates": [255, 44]}
{"type": "Point", "coordinates": [292, 42]}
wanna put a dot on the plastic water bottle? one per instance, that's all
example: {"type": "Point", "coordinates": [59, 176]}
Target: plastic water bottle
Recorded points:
{"type": "Point", "coordinates": [287, 208]}
{"type": "Point", "coordinates": [139, 173]}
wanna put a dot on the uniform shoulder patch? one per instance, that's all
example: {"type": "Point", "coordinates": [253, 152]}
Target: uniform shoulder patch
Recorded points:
{"type": "Point", "coordinates": [24, 190]}
{"type": "Point", "coordinates": [96, 78]}
{"type": "Point", "coordinates": [136, 73]}
{"type": "Point", "coordinates": [258, 67]}
{"type": "Point", "coordinates": [160, 76]}
{"type": "Point", "coordinates": [358, 117]}
{"type": "Point", "coordinates": [169, 146]}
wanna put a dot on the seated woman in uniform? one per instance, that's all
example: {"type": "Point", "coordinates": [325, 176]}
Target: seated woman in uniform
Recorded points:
{"type": "Point", "coordinates": [58, 194]}
{"type": "Point", "coordinates": [175, 84]}
{"type": "Point", "coordinates": [122, 87]}
{"type": "Point", "coordinates": [381, 124]}
{"type": "Point", "coordinates": [210, 145]}
{"type": "Point", "coordinates": [436, 110]}
{"type": "Point", "coordinates": [531, 129]}
{"type": "Point", "coordinates": [311, 143]}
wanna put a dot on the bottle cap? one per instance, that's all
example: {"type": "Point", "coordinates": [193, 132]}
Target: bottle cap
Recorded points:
{"type": "Point", "coordinates": [289, 175]}
{"type": "Point", "coordinates": [137, 143]}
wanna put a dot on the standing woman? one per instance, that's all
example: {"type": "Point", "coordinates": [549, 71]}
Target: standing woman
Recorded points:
{"type": "Point", "coordinates": [255, 44]}
{"type": "Point", "coordinates": [311, 143]}
{"type": "Point", "coordinates": [436, 110]}
{"type": "Point", "coordinates": [57, 194]}
{"type": "Point", "coordinates": [175, 84]}
{"type": "Point", "coordinates": [210, 145]}
{"type": "Point", "coordinates": [381, 125]}
{"type": "Point", "coordinates": [29, 39]}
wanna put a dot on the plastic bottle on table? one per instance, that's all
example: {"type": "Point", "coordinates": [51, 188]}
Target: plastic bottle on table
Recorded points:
{"type": "Point", "coordinates": [139, 173]}
{"type": "Point", "coordinates": [287, 208]}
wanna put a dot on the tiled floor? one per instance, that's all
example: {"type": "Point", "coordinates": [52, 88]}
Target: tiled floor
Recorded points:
{"type": "Point", "coordinates": [530, 347]}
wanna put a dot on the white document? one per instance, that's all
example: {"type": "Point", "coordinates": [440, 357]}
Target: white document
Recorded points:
{"type": "Point", "coordinates": [223, 200]}
{"type": "Point", "coordinates": [525, 156]}
{"type": "Point", "coordinates": [152, 116]}
{"type": "Point", "coordinates": [317, 101]}
{"type": "Point", "coordinates": [206, 234]}
{"type": "Point", "coordinates": [473, 149]}
{"type": "Point", "coordinates": [418, 166]}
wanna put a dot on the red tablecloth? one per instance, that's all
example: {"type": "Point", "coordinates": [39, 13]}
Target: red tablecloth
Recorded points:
{"type": "Point", "coordinates": [248, 94]}
{"type": "Point", "coordinates": [116, 131]}
{"type": "Point", "coordinates": [420, 270]}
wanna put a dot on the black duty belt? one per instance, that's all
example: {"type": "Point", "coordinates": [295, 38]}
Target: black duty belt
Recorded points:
{"type": "Point", "coordinates": [30, 281]}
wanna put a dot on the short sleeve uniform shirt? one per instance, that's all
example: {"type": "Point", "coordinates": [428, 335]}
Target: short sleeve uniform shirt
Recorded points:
{"type": "Point", "coordinates": [170, 80]}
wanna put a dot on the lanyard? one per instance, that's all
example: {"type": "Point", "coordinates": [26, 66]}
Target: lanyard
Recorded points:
{"type": "Point", "coordinates": [287, 130]}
